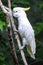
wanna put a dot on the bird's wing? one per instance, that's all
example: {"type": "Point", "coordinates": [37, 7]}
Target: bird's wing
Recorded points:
{"type": "Point", "coordinates": [31, 46]}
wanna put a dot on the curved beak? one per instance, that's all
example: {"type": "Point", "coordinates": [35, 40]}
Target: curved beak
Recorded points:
{"type": "Point", "coordinates": [26, 9]}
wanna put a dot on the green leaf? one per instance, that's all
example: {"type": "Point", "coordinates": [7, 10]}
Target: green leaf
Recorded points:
{"type": "Point", "coordinates": [41, 4]}
{"type": "Point", "coordinates": [2, 58]}
{"type": "Point", "coordinates": [2, 24]}
{"type": "Point", "coordinates": [38, 27]}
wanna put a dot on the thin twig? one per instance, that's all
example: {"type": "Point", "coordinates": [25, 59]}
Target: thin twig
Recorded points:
{"type": "Point", "coordinates": [9, 4]}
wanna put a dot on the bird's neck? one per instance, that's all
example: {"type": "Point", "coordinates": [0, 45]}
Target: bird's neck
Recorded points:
{"type": "Point", "coordinates": [22, 19]}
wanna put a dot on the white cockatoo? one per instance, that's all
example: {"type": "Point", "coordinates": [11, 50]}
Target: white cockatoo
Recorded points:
{"type": "Point", "coordinates": [25, 29]}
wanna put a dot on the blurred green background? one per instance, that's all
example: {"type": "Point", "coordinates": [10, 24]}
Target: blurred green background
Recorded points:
{"type": "Point", "coordinates": [35, 16]}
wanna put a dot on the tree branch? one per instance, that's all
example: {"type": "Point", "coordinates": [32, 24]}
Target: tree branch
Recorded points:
{"type": "Point", "coordinates": [9, 4]}
{"type": "Point", "coordinates": [5, 9]}
{"type": "Point", "coordinates": [11, 41]}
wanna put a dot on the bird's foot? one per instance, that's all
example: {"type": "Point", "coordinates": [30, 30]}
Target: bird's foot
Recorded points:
{"type": "Point", "coordinates": [21, 48]}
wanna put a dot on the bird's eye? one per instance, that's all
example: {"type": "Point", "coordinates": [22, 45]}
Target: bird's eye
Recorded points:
{"type": "Point", "coordinates": [16, 11]}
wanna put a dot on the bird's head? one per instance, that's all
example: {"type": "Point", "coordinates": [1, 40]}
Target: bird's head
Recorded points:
{"type": "Point", "coordinates": [19, 11]}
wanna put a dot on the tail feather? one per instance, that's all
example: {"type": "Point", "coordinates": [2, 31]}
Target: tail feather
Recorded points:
{"type": "Point", "coordinates": [30, 52]}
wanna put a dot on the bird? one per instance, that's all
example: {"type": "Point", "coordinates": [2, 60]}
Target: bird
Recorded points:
{"type": "Point", "coordinates": [25, 30]}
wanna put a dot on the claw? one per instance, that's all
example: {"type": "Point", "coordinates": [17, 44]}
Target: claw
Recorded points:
{"type": "Point", "coordinates": [19, 50]}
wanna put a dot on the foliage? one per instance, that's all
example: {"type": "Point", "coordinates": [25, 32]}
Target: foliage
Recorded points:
{"type": "Point", "coordinates": [2, 24]}
{"type": "Point", "coordinates": [38, 28]}
{"type": "Point", "coordinates": [35, 16]}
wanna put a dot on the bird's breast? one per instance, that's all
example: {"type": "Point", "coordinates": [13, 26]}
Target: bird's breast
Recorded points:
{"type": "Point", "coordinates": [21, 30]}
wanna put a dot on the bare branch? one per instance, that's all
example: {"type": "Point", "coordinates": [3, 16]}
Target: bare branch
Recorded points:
{"type": "Point", "coordinates": [11, 42]}
{"type": "Point", "coordinates": [5, 9]}
{"type": "Point", "coordinates": [9, 4]}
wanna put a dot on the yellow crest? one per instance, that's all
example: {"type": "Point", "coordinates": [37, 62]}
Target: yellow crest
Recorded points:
{"type": "Point", "coordinates": [26, 9]}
